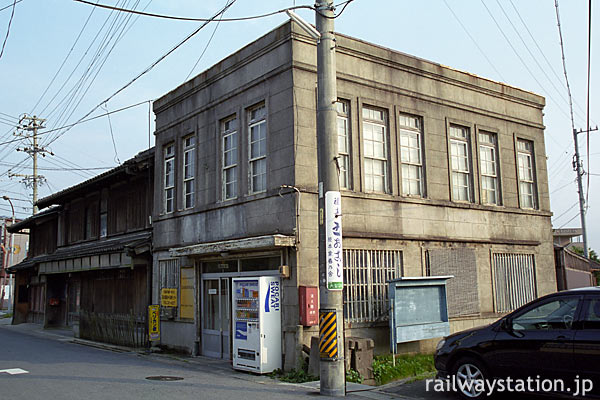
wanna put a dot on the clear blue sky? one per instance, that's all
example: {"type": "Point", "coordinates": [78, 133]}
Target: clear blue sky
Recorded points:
{"type": "Point", "coordinates": [44, 32]}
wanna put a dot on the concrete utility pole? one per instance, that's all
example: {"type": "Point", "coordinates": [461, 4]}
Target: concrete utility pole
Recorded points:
{"type": "Point", "coordinates": [578, 169]}
{"type": "Point", "coordinates": [331, 313]}
{"type": "Point", "coordinates": [8, 261]}
{"type": "Point", "coordinates": [28, 128]}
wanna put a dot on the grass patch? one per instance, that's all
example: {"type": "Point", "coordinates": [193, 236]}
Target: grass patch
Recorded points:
{"type": "Point", "coordinates": [7, 315]}
{"type": "Point", "coordinates": [299, 375]}
{"type": "Point", "coordinates": [406, 366]}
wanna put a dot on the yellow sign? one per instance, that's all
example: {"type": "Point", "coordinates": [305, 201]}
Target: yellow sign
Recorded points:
{"type": "Point", "coordinates": [168, 297]}
{"type": "Point", "coordinates": [186, 302]}
{"type": "Point", "coordinates": [154, 322]}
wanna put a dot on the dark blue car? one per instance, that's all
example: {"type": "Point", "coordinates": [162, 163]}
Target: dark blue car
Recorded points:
{"type": "Point", "coordinates": [549, 346]}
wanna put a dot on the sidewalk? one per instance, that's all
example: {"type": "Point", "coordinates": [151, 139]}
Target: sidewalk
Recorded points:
{"type": "Point", "coordinates": [353, 390]}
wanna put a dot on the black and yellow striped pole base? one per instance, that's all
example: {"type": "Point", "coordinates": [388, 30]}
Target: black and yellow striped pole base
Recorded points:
{"type": "Point", "coordinates": [328, 344]}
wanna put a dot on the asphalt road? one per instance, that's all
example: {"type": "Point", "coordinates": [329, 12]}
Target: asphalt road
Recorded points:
{"type": "Point", "coordinates": [59, 369]}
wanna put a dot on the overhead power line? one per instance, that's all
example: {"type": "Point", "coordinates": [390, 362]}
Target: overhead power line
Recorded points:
{"type": "Point", "coordinates": [194, 19]}
{"type": "Point", "coordinates": [10, 5]}
{"type": "Point", "coordinates": [12, 14]}
{"type": "Point", "coordinates": [80, 121]}
{"type": "Point", "coordinates": [149, 68]}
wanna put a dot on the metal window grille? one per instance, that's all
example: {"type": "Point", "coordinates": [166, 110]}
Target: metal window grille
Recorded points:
{"type": "Point", "coordinates": [169, 273]}
{"type": "Point", "coordinates": [365, 290]}
{"type": "Point", "coordinates": [514, 280]}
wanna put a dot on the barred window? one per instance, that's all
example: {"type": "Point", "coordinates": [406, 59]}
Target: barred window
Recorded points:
{"type": "Point", "coordinates": [168, 277]}
{"type": "Point", "coordinates": [514, 280]}
{"type": "Point", "coordinates": [365, 289]}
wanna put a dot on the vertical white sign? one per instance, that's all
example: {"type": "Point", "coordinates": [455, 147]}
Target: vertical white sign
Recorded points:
{"type": "Point", "coordinates": [333, 240]}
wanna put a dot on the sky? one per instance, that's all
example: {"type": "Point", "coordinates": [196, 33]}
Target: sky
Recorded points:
{"type": "Point", "coordinates": [62, 59]}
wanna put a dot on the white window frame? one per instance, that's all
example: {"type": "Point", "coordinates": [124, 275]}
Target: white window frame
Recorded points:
{"type": "Point", "coordinates": [259, 122]}
{"type": "Point", "coordinates": [343, 132]}
{"type": "Point", "coordinates": [169, 178]}
{"type": "Point", "coordinates": [189, 171]}
{"type": "Point", "coordinates": [411, 127]}
{"type": "Point", "coordinates": [371, 122]}
{"type": "Point", "coordinates": [488, 144]}
{"type": "Point", "coordinates": [526, 174]}
{"type": "Point", "coordinates": [229, 132]}
{"type": "Point", "coordinates": [460, 191]}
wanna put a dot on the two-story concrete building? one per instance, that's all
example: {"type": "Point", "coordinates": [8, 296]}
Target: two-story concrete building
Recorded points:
{"type": "Point", "coordinates": [442, 173]}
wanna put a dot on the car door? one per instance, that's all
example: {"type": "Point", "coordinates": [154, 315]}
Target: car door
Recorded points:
{"type": "Point", "coordinates": [586, 345]}
{"type": "Point", "coordinates": [538, 340]}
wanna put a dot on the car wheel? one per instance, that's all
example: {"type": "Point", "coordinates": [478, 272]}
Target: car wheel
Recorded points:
{"type": "Point", "coordinates": [469, 375]}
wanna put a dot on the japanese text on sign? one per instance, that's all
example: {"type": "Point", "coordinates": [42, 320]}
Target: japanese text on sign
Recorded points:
{"type": "Point", "coordinates": [168, 297]}
{"type": "Point", "coordinates": [333, 240]}
{"type": "Point", "coordinates": [154, 322]}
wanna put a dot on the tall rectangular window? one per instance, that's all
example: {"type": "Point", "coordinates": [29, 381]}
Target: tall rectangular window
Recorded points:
{"type": "Point", "coordinates": [189, 170]}
{"type": "Point", "coordinates": [411, 155]}
{"type": "Point", "coordinates": [488, 157]}
{"type": "Point", "coordinates": [169, 178]}
{"type": "Point", "coordinates": [343, 131]}
{"type": "Point", "coordinates": [230, 158]}
{"type": "Point", "coordinates": [375, 153]}
{"type": "Point", "coordinates": [257, 149]}
{"type": "Point", "coordinates": [526, 173]}
{"type": "Point", "coordinates": [460, 163]}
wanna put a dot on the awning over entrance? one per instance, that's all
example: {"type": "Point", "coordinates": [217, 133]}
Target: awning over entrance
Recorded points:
{"type": "Point", "coordinates": [253, 243]}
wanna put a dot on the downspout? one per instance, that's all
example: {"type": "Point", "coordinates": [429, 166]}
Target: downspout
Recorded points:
{"type": "Point", "coordinates": [297, 208]}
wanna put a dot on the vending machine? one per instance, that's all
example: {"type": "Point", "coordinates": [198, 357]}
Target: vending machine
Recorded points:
{"type": "Point", "coordinates": [256, 320]}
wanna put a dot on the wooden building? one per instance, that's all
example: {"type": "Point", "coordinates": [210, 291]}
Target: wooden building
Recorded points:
{"type": "Point", "coordinates": [90, 255]}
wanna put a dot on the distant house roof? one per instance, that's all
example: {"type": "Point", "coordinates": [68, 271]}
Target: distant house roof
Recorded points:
{"type": "Point", "coordinates": [127, 167]}
{"type": "Point", "coordinates": [34, 219]}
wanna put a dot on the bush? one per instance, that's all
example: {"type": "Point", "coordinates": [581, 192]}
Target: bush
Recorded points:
{"type": "Point", "coordinates": [299, 375]}
{"type": "Point", "coordinates": [406, 366]}
{"type": "Point", "coordinates": [353, 375]}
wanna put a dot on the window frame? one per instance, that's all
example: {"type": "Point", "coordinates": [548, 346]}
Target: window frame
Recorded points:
{"type": "Point", "coordinates": [496, 152]}
{"type": "Point", "coordinates": [253, 161]}
{"type": "Point", "coordinates": [520, 180]}
{"type": "Point", "coordinates": [234, 167]}
{"type": "Point", "coordinates": [404, 130]}
{"type": "Point", "coordinates": [466, 142]}
{"type": "Point", "coordinates": [191, 180]}
{"type": "Point", "coordinates": [384, 123]}
{"type": "Point", "coordinates": [168, 168]}
{"type": "Point", "coordinates": [343, 108]}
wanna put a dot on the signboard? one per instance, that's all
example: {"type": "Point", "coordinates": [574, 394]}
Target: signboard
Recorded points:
{"type": "Point", "coordinates": [168, 297]}
{"type": "Point", "coordinates": [186, 302]}
{"type": "Point", "coordinates": [333, 240]}
{"type": "Point", "coordinates": [154, 322]}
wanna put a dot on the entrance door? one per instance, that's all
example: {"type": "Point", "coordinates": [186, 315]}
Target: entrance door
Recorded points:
{"type": "Point", "coordinates": [216, 318]}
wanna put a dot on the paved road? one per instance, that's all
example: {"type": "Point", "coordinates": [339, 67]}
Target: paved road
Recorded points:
{"type": "Point", "coordinates": [62, 370]}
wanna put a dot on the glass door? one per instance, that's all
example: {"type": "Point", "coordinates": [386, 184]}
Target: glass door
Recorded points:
{"type": "Point", "coordinates": [216, 318]}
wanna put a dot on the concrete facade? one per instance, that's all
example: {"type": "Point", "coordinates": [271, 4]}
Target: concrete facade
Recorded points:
{"type": "Point", "coordinates": [279, 71]}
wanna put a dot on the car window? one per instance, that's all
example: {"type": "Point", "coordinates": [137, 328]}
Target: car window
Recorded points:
{"type": "Point", "coordinates": [556, 314]}
{"type": "Point", "coordinates": [591, 314]}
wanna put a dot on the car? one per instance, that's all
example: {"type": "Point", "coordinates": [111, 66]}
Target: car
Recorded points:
{"type": "Point", "coordinates": [550, 346]}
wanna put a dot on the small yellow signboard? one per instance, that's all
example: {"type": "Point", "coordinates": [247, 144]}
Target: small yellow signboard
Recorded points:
{"type": "Point", "coordinates": [168, 297]}
{"type": "Point", "coordinates": [186, 301]}
{"type": "Point", "coordinates": [154, 322]}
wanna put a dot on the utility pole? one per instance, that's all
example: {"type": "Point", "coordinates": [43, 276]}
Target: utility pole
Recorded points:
{"type": "Point", "coordinates": [331, 313]}
{"type": "Point", "coordinates": [579, 170]}
{"type": "Point", "coordinates": [28, 128]}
